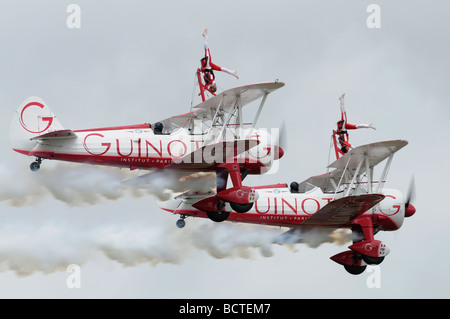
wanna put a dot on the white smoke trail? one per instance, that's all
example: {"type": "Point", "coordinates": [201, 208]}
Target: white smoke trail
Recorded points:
{"type": "Point", "coordinates": [78, 185]}
{"type": "Point", "coordinates": [229, 240]}
{"type": "Point", "coordinates": [49, 246]}
{"type": "Point", "coordinates": [72, 184]}
{"type": "Point", "coordinates": [315, 236]}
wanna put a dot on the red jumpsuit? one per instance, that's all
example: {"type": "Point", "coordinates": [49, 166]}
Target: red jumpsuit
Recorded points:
{"type": "Point", "coordinates": [207, 67]}
{"type": "Point", "coordinates": [342, 127]}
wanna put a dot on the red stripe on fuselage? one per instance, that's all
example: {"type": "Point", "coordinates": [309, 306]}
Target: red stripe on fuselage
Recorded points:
{"type": "Point", "coordinates": [283, 220]}
{"type": "Point", "coordinates": [118, 161]}
{"type": "Point", "coordinates": [112, 128]}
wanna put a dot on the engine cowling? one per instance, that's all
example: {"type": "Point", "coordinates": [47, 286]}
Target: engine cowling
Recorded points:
{"type": "Point", "coordinates": [348, 258]}
{"type": "Point", "coordinates": [371, 248]}
{"type": "Point", "coordinates": [238, 194]}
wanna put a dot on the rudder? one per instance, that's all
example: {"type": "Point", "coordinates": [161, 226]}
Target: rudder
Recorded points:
{"type": "Point", "coordinates": [32, 118]}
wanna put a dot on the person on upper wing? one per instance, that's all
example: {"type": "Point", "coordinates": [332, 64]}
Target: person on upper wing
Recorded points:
{"type": "Point", "coordinates": [208, 68]}
{"type": "Point", "coordinates": [343, 126]}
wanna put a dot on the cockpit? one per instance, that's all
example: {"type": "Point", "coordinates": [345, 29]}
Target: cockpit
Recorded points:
{"type": "Point", "coordinates": [158, 128]}
{"type": "Point", "coordinates": [295, 187]}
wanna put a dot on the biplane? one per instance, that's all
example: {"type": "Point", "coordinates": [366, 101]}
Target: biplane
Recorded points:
{"type": "Point", "coordinates": [347, 196]}
{"type": "Point", "coordinates": [213, 136]}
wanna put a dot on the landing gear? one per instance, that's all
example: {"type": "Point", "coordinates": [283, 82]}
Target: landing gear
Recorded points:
{"type": "Point", "coordinates": [35, 166]}
{"type": "Point", "coordinates": [218, 216]}
{"type": "Point", "coordinates": [372, 260]}
{"type": "Point", "coordinates": [365, 249]}
{"type": "Point", "coordinates": [241, 208]}
{"type": "Point", "coordinates": [181, 223]}
{"type": "Point", "coordinates": [355, 270]}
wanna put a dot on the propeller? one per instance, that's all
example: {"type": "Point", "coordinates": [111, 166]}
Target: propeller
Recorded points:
{"type": "Point", "coordinates": [283, 135]}
{"type": "Point", "coordinates": [282, 141]}
{"type": "Point", "coordinates": [409, 208]}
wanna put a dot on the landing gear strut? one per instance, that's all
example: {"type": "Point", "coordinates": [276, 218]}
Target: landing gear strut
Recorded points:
{"type": "Point", "coordinates": [35, 166]}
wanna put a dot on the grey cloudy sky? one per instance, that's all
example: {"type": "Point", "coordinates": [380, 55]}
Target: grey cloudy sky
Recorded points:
{"type": "Point", "coordinates": [133, 62]}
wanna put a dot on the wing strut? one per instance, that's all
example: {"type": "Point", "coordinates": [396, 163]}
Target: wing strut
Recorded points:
{"type": "Point", "coordinates": [342, 176]}
{"type": "Point", "coordinates": [213, 121]}
{"type": "Point", "coordinates": [385, 171]}
{"type": "Point", "coordinates": [355, 175]}
{"type": "Point", "coordinates": [230, 113]}
{"type": "Point", "coordinates": [260, 109]}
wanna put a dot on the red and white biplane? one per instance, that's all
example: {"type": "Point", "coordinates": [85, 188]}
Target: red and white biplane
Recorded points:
{"type": "Point", "coordinates": [348, 196]}
{"type": "Point", "coordinates": [212, 137]}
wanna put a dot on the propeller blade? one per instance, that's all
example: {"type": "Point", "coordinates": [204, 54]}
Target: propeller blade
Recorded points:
{"type": "Point", "coordinates": [283, 136]}
{"type": "Point", "coordinates": [280, 141]}
{"type": "Point", "coordinates": [411, 192]}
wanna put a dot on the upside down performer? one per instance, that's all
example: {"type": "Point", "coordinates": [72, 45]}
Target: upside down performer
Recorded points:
{"type": "Point", "coordinates": [208, 68]}
{"type": "Point", "coordinates": [341, 132]}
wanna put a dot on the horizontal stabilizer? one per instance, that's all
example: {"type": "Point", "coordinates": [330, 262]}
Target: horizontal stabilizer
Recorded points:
{"type": "Point", "coordinates": [60, 134]}
{"type": "Point", "coordinates": [193, 185]}
{"type": "Point", "coordinates": [342, 211]}
{"type": "Point", "coordinates": [195, 196]}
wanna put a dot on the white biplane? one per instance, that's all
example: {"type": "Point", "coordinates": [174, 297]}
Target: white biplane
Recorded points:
{"type": "Point", "coordinates": [211, 137]}
{"type": "Point", "coordinates": [346, 197]}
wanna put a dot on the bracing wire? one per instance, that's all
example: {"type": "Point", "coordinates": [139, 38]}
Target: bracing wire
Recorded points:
{"type": "Point", "coordinates": [329, 152]}
{"type": "Point", "coordinates": [193, 90]}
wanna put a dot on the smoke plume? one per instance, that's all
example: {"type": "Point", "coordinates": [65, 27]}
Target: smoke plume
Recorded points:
{"type": "Point", "coordinates": [51, 247]}
{"type": "Point", "coordinates": [47, 246]}
{"type": "Point", "coordinates": [78, 185]}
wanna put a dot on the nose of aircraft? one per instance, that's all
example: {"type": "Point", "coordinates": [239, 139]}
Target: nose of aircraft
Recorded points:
{"type": "Point", "coordinates": [279, 152]}
{"type": "Point", "coordinates": [409, 210]}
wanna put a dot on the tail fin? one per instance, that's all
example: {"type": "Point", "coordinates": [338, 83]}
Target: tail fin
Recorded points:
{"type": "Point", "coordinates": [32, 118]}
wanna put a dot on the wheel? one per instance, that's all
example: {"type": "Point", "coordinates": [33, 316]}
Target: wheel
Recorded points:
{"type": "Point", "coordinates": [35, 166]}
{"type": "Point", "coordinates": [355, 270]}
{"type": "Point", "coordinates": [372, 260]}
{"type": "Point", "coordinates": [181, 223]}
{"type": "Point", "coordinates": [241, 208]}
{"type": "Point", "coordinates": [218, 216]}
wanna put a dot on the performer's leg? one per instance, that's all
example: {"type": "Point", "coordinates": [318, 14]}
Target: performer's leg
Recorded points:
{"type": "Point", "coordinates": [205, 45]}
{"type": "Point", "coordinates": [343, 113]}
{"type": "Point", "coordinates": [205, 42]}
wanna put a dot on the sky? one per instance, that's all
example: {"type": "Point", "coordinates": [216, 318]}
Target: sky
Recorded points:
{"type": "Point", "coordinates": [134, 62]}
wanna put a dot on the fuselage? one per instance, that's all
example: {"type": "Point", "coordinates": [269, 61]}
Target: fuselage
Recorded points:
{"type": "Point", "coordinates": [137, 146]}
{"type": "Point", "coordinates": [278, 206]}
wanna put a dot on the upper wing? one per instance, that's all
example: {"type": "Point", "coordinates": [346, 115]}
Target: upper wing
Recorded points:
{"type": "Point", "coordinates": [375, 153]}
{"type": "Point", "coordinates": [226, 100]}
{"type": "Point", "coordinates": [246, 93]}
{"type": "Point", "coordinates": [369, 155]}
{"type": "Point", "coordinates": [342, 211]}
